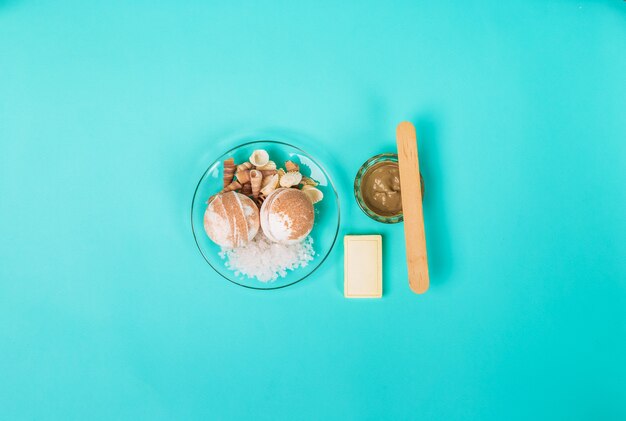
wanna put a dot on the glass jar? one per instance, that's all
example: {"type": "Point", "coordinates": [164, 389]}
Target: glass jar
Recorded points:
{"type": "Point", "coordinates": [370, 164]}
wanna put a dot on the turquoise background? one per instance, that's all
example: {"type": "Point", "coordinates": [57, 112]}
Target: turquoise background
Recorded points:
{"type": "Point", "coordinates": [110, 112]}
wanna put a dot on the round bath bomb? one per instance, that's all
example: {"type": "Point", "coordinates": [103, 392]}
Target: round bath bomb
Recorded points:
{"type": "Point", "coordinates": [287, 216]}
{"type": "Point", "coordinates": [231, 220]}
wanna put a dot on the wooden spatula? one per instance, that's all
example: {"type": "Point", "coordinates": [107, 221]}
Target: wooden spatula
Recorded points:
{"type": "Point", "coordinates": [415, 237]}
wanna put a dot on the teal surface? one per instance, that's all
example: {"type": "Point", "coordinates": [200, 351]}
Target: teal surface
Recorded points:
{"type": "Point", "coordinates": [111, 111]}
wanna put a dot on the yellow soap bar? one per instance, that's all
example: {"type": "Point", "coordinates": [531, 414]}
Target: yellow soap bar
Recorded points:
{"type": "Point", "coordinates": [363, 266]}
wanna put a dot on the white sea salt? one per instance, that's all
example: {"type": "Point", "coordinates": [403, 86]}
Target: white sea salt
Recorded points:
{"type": "Point", "coordinates": [265, 260]}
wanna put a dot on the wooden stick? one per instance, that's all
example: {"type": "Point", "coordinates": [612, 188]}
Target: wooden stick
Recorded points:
{"type": "Point", "coordinates": [415, 237]}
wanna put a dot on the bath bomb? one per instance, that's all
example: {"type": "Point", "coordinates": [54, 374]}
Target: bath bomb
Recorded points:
{"type": "Point", "coordinates": [287, 216]}
{"type": "Point", "coordinates": [231, 220]}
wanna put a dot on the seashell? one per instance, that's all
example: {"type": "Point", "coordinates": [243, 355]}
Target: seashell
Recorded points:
{"type": "Point", "coordinates": [229, 171]}
{"type": "Point", "coordinates": [246, 189]}
{"type": "Point", "coordinates": [314, 194]}
{"type": "Point", "coordinates": [268, 189]}
{"type": "Point", "coordinates": [280, 172]}
{"type": "Point", "coordinates": [290, 179]}
{"type": "Point", "coordinates": [271, 165]}
{"type": "Point", "coordinates": [308, 181]}
{"type": "Point", "coordinates": [243, 176]}
{"type": "Point", "coordinates": [235, 185]}
{"type": "Point", "coordinates": [259, 200]}
{"type": "Point", "coordinates": [267, 173]}
{"type": "Point", "coordinates": [291, 166]}
{"type": "Point", "coordinates": [259, 157]}
{"type": "Point", "coordinates": [269, 184]}
{"type": "Point", "coordinates": [255, 180]}
{"type": "Point", "coordinates": [244, 166]}
{"type": "Point", "coordinates": [272, 179]}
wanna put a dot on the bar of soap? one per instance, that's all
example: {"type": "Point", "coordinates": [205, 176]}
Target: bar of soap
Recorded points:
{"type": "Point", "coordinates": [363, 266]}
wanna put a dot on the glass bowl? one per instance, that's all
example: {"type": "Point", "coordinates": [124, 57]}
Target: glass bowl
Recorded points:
{"type": "Point", "coordinates": [377, 159]}
{"type": "Point", "coordinates": [325, 228]}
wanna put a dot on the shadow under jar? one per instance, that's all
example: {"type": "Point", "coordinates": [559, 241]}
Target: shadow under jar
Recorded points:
{"type": "Point", "coordinates": [377, 188]}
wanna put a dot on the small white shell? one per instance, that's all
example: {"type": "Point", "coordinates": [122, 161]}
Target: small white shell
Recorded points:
{"type": "Point", "coordinates": [290, 179]}
{"type": "Point", "coordinates": [259, 158]}
{"type": "Point", "coordinates": [271, 165]}
{"type": "Point", "coordinates": [314, 195]}
{"type": "Point", "coordinates": [269, 184]}
{"type": "Point", "coordinates": [308, 181]}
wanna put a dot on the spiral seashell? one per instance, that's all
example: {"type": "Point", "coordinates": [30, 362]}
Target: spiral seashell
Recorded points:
{"type": "Point", "coordinates": [259, 200]}
{"type": "Point", "coordinates": [256, 177]}
{"type": "Point", "coordinates": [271, 179]}
{"type": "Point", "coordinates": [235, 185]}
{"type": "Point", "coordinates": [243, 176]}
{"type": "Point", "coordinates": [269, 184]}
{"type": "Point", "coordinates": [229, 171]}
{"type": "Point", "coordinates": [245, 166]}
